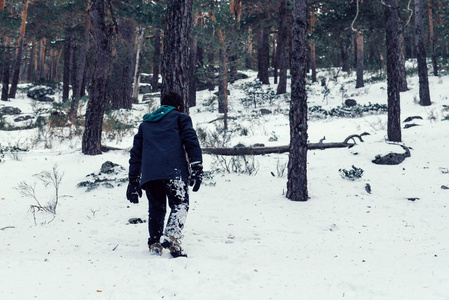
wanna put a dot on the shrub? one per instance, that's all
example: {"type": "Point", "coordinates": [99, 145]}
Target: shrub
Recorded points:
{"type": "Point", "coordinates": [114, 128]}
{"type": "Point", "coordinates": [352, 174]}
{"type": "Point", "coordinates": [52, 178]}
{"type": "Point", "coordinates": [256, 94]}
{"type": "Point", "coordinates": [13, 151]}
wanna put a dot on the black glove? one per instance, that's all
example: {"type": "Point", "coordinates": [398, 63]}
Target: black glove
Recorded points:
{"type": "Point", "coordinates": [196, 177]}
{"type": "Point", "coordinates": [134, 192]}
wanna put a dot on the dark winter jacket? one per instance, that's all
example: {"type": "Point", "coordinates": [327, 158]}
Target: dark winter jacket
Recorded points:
{"type": "Point", "coordinates": [160, 146]}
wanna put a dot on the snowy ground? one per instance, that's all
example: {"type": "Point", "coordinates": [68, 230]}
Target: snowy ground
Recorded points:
{"type": "Point", "coordinates": [244, 239]}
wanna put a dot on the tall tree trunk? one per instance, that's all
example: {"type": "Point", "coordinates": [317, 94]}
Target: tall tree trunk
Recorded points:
{"type": "Point", "coordinates": [432, 38]}
{"type": "Point", "coordinates": [91, 144]}
{"type": "Point", "coordinates": [297, 163]}
{"type": "Point", "coordinates": [78, 85]}
{"type": "Point", "coordinates": [175, 62]}
{"type": "Point", "coordinates": [274, 58]}
{"type": "Point", "coordinates": [232, 64]}
{"type": "Point", "coordinates": [6, 68]}
{"type": "Point", "coordinates": [55, 59]}
{"type": "Point", "coordinates": [192, 72]}
{"type": "Point", "coordinates": [156, 60]}
{"type": "Point", "coordinates": [409, 43]}
{"type": "Point", "coordinates": [313, 19]}
{"type": "Point", "coordinates": [136, 77]}
{"type": "Point", "coordinates": [354, 49]}
{"type": "Point", "coordinates": [402, 71]}
{"type": "Point", "coordinates": [249, 50]}
{"type": "Point", "coordinates": [127, 30]}
{"type": "Point", "coordinates": [393, 60]}
{"type": "Point", "coordinates": [210, 70]}
{"type": "Point", "coordinates": [264, 56]}
{"type": "Point", "coordinates": [67, 71]}
{"type": "Point", "coordinates": [40, 60]}
{"type": "Point", "coordinates": [223, 89]}
{"type": "Point", "coordinates": [74, 60]}
{"type": "Point", "coordinates": [282, 49]}
{"type": "Point", "coordinates": [344, 55]}
{"type": "Point", "coordinates": [223, 82]}
{"type": "Point", "coordinates": [18, 59]}
{"type": "Point", "coordinates": [30, 73]}
{"type": "Point", "coordinates": [360, 66]}
{"type": "Point", "coordinates": [424, 94]}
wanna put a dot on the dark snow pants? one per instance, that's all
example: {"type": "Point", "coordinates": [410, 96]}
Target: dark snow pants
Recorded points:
{"type": "Point", "coordinates": [157, 192]}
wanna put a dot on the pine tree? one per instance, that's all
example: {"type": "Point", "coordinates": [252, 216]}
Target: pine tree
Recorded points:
{"type": "Point", "coordinates": [393, 59]}
{"type": "Point", "coordinates": [297, 163]}
{"type": "Point", "coordinates": [91, 143]}
{"type": "Point", "coordinates": [424, 94]}
{"type": "Point", "coordinates": [282, 49]}
{"type": "Point", "coordinates": [176, 49]}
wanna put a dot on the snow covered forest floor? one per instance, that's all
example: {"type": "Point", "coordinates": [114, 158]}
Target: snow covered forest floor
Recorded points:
{"type": "Point", "coordinates": [244, 239]}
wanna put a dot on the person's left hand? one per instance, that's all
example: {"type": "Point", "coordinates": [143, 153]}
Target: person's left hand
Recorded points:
{"type": "Point", "coordinates": [134, 192]}
{"type": "Point", "coordinates": [196, 177]}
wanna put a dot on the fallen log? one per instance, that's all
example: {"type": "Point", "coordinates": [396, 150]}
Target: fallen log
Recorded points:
{"type": "Point", "coordinates": [392, 158]}
{"type": "Point", "coordinates": [282, 149]}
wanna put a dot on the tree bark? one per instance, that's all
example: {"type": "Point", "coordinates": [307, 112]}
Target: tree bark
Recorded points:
{"type": "Point", "coordinates": [6, 68]}
{"type": "Point", "coordinates": [274, 58]}
{"type": "Point", "coordinates": [282, 49]}
{"type": "Point", "coordinates": [91, 143]}
{"type": "Point", "coordinates": [192, 72]}
{"type": "Point", "coordinates": [136, 77]}
{"type": "Point", "coordinates": [156, 60]}
{"type": "Point", "coordinates": [232, 63]}
{"type": "Point", "coordinates": [78, 85]}
{"type": "Point", "coordinates": [30, 71]}
{"type": "Point", "coordinates": [409, 43]}
{"type": "Point", "coordinates": [313, 19]}
{"type": "Point", "coordinates": [282, 149]}
{"type": "Point", "coordinates": [127, 30]}
{"type": "Point", "coordinates": [424, 94]}
{"type": "Point", "coordinates": [360, 66]}
{"type": "Point", "coordinates": [393, 60]}
{"type": "Point", "coordinates": [40, 60]}
{"type": "Point", "coordinates": [344, 55]}
{"type": "Point", "coordinates": [67, 71]}
{"type": "Point", "coordinates": [402, 71]}
{"type": "Point", "coordinates": [264, 56]}
{"type": "Point", "coordinates": [249, 50]}
{"type": "Point", "coordinates": [297, 163]}
{"type": "Point", "coordinates": [18, 59]}
{"type": "Point", "coordinates": [223, 84]}
{"type": "Point", "coordinates": [175, 61]}
{"type": "Point", "coordinates": [432, 38]}
{"type": "Point", "coordinates": [210, 69]}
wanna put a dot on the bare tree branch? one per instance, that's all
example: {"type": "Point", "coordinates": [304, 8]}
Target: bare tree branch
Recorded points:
{"type": "Point", "coordinates": [282, 149]}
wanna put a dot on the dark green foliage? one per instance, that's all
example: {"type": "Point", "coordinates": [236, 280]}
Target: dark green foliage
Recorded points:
{"type": "Point", "coordinates": [55, 85]}
{"type": "Point", "coordinates": [445, 109]}
{"type": "Point", "coordinates": [256, 94]}
{"type": "Point", "coordinates": [13, 150]}
{"type": "Point", "coordinates": [347, 112]}
{"type": "Point", "coordinates": [351, 174]}
{"type": "Point", "coordinates": [9, 23]}
{"type": "Point", "coordinates": [145, 13]}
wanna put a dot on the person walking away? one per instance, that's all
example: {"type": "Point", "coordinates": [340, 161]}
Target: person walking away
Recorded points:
{"type": "Point", "coordinates": [164, 148]}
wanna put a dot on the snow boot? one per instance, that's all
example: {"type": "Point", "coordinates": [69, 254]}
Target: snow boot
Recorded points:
{"type": "Point", "coordinates": [173, 245]}
{"type": "Point", "coordinates": [156, 249]}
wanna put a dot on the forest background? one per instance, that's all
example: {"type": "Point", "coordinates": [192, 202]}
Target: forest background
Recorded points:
{"type": "Point", "coordinates": [97, 50]}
